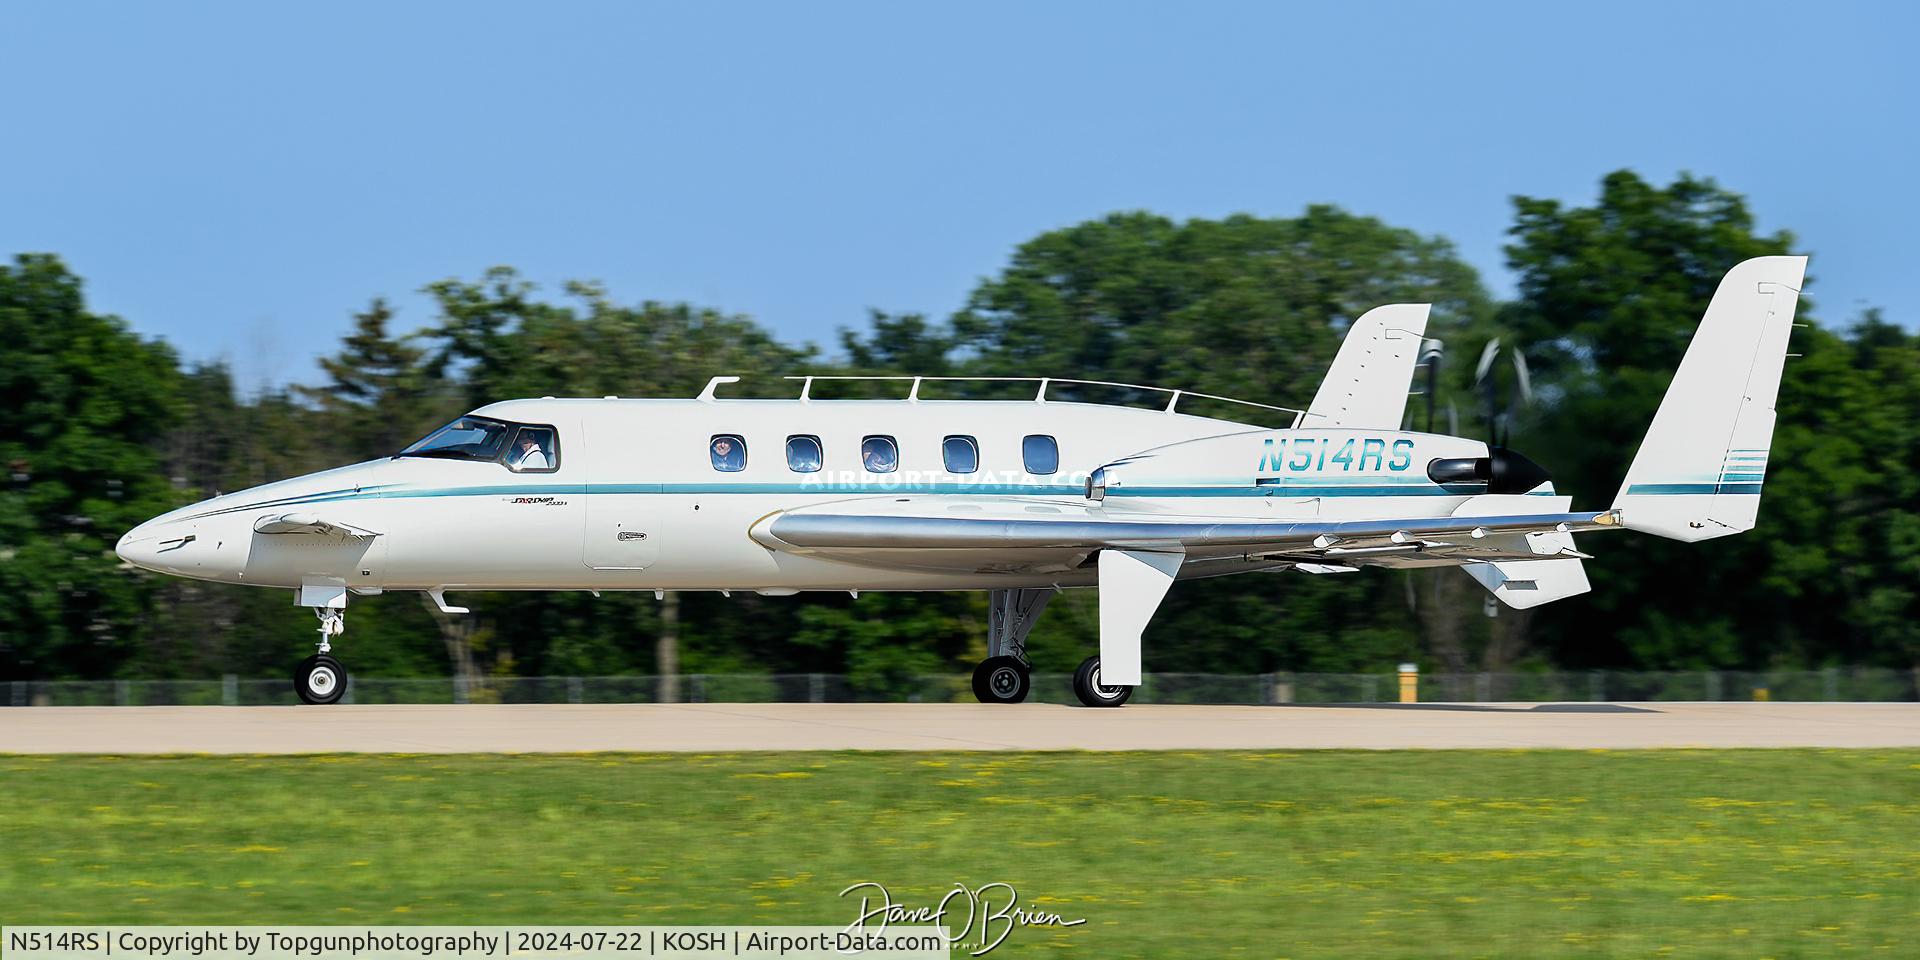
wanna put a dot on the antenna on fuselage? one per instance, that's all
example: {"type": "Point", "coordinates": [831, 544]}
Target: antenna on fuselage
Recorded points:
{"type": "Point", "coordinates": [706, 395]}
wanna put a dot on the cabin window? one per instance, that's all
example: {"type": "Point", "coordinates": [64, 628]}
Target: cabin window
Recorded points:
{"type": "Point", "coordinates": [879, 455]}
{"type": "Point", "coordinates": [728, 452]}
{"type": "Point", "coordinates": [1041, 454]}
{"type": "Point", "coordinates": [803, 454]}
{"type": "Point", "coordinates": [534, 450]}
{"type": "Point", "coordinates": [961, 454]}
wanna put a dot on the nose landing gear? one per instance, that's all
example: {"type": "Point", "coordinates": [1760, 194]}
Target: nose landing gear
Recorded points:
{"type": "Point", "coordinates": [321, 679]}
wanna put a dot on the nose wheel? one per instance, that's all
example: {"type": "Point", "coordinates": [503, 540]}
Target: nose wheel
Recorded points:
{"type": "Point", "coordinates": [1087, 686]}
{"type": "Point", "coordinates": [320, 679]}
{"type": "Point", "coordinates": [1002, 680]}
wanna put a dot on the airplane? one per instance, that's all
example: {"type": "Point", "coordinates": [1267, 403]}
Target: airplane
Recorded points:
{"type": "Point", "coordinates": [1022, 498]}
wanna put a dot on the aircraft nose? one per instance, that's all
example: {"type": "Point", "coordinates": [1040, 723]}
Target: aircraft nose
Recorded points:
{"type": "Point", "coordinates": [138, 545]}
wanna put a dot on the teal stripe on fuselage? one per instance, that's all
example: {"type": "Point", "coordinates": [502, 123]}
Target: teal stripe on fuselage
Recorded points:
{"type": "Point", "coordinates": [1278, 490]}
{"type": "Point", "coordinates": [325, 496]}
{"type": "Point", "coordinates": [1691, 489]}
{"type": "Point", "coordinates": [1338, 489]}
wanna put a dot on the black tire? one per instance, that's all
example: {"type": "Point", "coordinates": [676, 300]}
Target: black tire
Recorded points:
{"type": "Point", "coordinates": [1001, 680]}
{"type": "Point", "coordinates": [320, 679]}
{"type": "Point", "coordinates": [1086, 686]}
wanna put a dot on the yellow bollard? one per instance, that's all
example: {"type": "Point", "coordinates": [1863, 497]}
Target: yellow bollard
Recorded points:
{"type": "Point", "coordinates": [1409, 683]}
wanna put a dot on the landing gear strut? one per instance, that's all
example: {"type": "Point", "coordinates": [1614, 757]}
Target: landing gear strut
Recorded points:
{"type": "Point", "coordinates": [1005, 676]}
{"type": "Point", "coordinates": [320, 678]}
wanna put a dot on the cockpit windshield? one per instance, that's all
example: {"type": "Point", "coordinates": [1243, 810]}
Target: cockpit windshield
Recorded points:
{"type": "Point", "coordinates": [468, 438]}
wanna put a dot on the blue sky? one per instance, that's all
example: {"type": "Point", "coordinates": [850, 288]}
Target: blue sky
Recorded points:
{"type": "Point", "coordinates": [239, 178]}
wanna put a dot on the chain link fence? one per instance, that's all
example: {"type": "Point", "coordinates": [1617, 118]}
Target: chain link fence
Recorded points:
{"type": "Point", "coordinates": [1838, 684]}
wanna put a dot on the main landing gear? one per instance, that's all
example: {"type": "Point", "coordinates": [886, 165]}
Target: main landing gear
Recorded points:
{"type": "Point", "coordinates": [1005, 676]}
{"type": "Point", "coordinates": [320, 678]}
{"type": "Point", "coordinates": [1002, 680]}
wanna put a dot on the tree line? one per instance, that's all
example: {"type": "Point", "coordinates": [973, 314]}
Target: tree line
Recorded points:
{"type": "Point", "coordinates": [104, 428]}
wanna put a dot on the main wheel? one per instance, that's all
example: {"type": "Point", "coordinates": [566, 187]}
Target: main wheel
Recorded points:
{"type": "Point", "coordinates": [1087, 686]}
{"type": "Point", "coordinates": [1001, 680]}
{"type": "Point", "coordinates": [320, 679]}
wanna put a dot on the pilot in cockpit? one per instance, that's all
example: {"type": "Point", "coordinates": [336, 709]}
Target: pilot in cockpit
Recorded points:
{"type": "Point", "coordinates": [527, 454]}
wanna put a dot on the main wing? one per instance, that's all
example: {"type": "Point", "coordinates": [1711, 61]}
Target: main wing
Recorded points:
{"type": "Point", "coordinates": [989, 534]}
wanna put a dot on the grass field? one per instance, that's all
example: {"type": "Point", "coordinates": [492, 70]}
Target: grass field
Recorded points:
{"type": "Point", "coordinates": [1763, 853]}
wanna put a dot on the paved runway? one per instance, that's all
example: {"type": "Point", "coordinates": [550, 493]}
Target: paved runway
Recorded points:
{"type": "Point", "coordinates": [556, 728]}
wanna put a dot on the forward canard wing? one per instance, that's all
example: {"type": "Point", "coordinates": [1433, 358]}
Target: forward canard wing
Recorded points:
{"type": "Point", "coordinates": [309, 525]}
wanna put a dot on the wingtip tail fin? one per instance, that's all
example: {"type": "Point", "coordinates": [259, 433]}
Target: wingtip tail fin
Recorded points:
{"type": "Point", "coordinates": [1698, 472]}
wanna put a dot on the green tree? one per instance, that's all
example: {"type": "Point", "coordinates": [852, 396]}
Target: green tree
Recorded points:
{"type": "Point", "coordinates": [87, 403]}
{"type": "Point", "coordinates": [378, 397]}
{"type": "Point", "coordinates": [1246, 306]}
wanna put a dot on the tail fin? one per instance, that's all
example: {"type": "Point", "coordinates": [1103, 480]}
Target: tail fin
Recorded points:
{"type": "Point", "coordinates": [1366, 387]}
{"type": "Point", "coordinates": [1699, 470]}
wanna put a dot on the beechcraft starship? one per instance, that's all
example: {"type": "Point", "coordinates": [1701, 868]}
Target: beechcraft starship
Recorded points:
{"type": "Point", "coordinates": [1022, 498]}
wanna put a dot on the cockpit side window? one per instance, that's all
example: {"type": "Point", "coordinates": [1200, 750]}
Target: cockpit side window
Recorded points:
{"type": "Point", "coordinates": [467, 438]}
{"type": "Point", "coordinates": [1041, 453]}
{"type": "Point", "coordinates": [728, 452]}
{"type": "Point", "coordinates": [534, 450]}
{"type": "Point", "coordinates": [879, 454]}
{"type": "Point", "coordinates": [521, 447]}
{"type": "Point", "coordinates": [803, 453]}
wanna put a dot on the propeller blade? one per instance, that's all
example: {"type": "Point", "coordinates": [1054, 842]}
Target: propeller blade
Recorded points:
{"type": "Point", "coordinates": [1487, 354]}
{"type": "Point", "coordinates": [1522, 396]}
{"type": "Point", "coordinates": [1482, 378]}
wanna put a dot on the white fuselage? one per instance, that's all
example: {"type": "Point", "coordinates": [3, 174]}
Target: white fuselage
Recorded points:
{"type": "Point", "coordinates": [635, 501]}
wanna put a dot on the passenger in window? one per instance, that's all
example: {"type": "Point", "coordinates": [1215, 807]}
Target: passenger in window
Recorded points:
{"type": "Point", "coordinates": [729, 454]}
{"type": "Point", "coordinates": [527, 454]}
{"type": "Point", "coordinates": [878, 455]}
